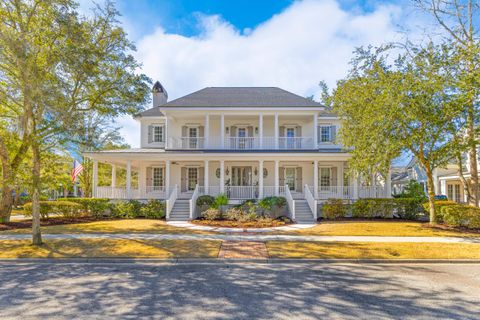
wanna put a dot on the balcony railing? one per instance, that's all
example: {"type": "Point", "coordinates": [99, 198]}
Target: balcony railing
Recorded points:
{"type": "Point", "coordinates": [242, 143]}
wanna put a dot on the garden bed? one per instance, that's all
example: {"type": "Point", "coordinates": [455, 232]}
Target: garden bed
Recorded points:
{"type": "Point", "coordinates": [242, 224]}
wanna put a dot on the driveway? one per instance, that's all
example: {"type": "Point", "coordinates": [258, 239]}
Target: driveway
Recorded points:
{"type": "Point", "coordinates": [240, 291]}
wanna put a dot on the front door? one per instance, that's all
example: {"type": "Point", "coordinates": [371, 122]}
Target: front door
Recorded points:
{"type": "Point", "coordinates": [241, 176]}
{"type": "Point", "coordinates": [290, 177]}
{"type": "Point", "coordinates": [242, 134]}
{"type": "Point", "coordinates": [192, 137]}
{"type": "Point", "coordinates": [192, 178]}
{"type": "Point", "coordinates": [290, 138]}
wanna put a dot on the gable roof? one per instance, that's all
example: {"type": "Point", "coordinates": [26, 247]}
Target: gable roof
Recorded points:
{"type": "Point", "coordinates": [242, 97]}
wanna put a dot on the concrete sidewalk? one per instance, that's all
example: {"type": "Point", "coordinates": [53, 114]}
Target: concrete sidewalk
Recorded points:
{"type": "Point", "coordinates": [247, 237]}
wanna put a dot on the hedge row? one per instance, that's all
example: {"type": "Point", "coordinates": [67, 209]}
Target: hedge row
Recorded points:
{"type": "Point", "coordinates": [461, 216]}
{"type": "Point", "coordinates": [402, 208]}
{"type": "Point", "coordinates": [77, 207]}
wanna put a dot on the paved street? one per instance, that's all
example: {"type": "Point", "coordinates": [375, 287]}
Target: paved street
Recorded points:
{"type": "Point", "coordinates": [242, 291]}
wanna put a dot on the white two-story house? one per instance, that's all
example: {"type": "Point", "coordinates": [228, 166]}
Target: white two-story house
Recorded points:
{"type": "Point", "coordinates": [245, 142]}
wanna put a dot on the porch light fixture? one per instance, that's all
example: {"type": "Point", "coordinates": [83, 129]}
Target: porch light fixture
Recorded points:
{"type": "Point", "coordinates": [227, 129]}
{"type": "Point", "coordinates": [227, 172]}
{"type": "Point", "coordinates": [265, 172]}
{"type": "Point", "coordinates": [217, 173]}
{"type": "Point", "coordinates": [255, 171]}
{"type": "Point", "coordinates": [256, 130]}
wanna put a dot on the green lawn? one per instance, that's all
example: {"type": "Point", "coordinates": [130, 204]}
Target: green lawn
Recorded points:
{"type": "Point", "coordinates": [371, 250]}
{"type": "Point", "coordinates": [113, 226]}
{"type": "Point", "coordinates": [110, 248]}
{"type": "Point", "coordinates": [379, 228]}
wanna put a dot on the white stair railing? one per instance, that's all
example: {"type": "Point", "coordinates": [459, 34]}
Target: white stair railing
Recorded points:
{"type": "Point", "coordinates": [193, 201]}
{"type": "Point", "coordinates": [312, 203]}
{"type": "Point", "coordinates": [290, 201]}
{"type": "Point", "coordinates": [170, 202]}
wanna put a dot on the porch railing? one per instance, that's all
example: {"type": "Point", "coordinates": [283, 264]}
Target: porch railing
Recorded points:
{"type": "Point", "coordinates": [290, 202]}
{"type": "Point", "coordinates": [335, 192]}
{"type": "Point", "coordinates": [372, 192]}
{"type": "Point", "coordinates": [312, 203]}
{"type": "Point", "coordinates": [269, 191]}
{"type": "Point", "coordinates": [170, 202]}
{"type": "Point", "coordinates": [111, 192]}
{"type": "Point", "coordinates": [242, 143]}
{"type": "Point", "coordinates": [241, 192]}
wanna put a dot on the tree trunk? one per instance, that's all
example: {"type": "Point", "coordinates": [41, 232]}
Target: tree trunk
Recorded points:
{"type": "Point", "coordinates": [431, 193]}
{"type": "Point", "coordinates": [473, 160]}
{"type": "Point", "coordinates": [6, 204]}
{"type": "Point", "coordinates": [36, 233]}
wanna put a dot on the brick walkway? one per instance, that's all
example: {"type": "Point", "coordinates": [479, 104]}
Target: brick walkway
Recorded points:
{"type": "Point", "coordinates": [243, 250]}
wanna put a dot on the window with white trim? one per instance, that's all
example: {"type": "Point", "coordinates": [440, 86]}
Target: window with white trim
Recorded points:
{"type": "Point", "coordinates": [158, 133]}
{"type": "Point", "coordinates": [158, 177]}
{"type": "Point", "coordinates": [325, 177]}
{"type": "Point", "coordinates": [325, 133]}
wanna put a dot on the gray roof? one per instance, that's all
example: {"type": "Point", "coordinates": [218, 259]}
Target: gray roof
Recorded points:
{"type": "Point", "coordinates": [153, 112]}
{"type": "Point", "coordinates": [242, 97]}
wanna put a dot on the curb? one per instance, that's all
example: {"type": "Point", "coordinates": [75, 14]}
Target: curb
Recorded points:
{"type": "Point", "coordinates": [187, 261]}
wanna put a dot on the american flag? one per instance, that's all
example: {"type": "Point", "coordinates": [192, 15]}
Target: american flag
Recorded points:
{"type": "Point", "coordinates": [77, 169]}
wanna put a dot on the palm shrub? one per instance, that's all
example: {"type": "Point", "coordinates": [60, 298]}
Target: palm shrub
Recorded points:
{"type": "Point", "coordinates": [271, 205]}
{"type": "Point", "coordinates": [220, 202]}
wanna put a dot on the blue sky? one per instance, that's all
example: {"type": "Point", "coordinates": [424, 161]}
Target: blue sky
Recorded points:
{"type": "Point", "coordinates": [191, 44]}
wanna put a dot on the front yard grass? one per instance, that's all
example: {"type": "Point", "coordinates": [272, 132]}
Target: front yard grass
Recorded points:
{"type": "Point", "coordinates": [113, 226]}
{"type": "Point", "coordinates": [110, 248]}
{"type": "Point", "coordinates": [379, 228]}
{"type": "Point", "coordinates": [371, 250]}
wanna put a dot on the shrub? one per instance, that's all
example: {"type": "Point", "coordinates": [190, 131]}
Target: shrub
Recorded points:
{"type": "Point", "coordinates": [272, 204]}
{"type": "Point", "coordinates": [235, 214]}
{"type": "Point", "coordinates": [334, 209]}
{"type": "Point", "coordinates": [220, 201]}
{"type": "Point", "coordinates": [66, 208]}
{"type": "Point", "coordinates": [127, 209]}
{"type": "Point", "coordinates": [438, 207]}
{"type": "Point", "coordinates": [461, 216]}
{"type": "Point", "coordinates": [95, 206]}
{"type": "Point", "coordinates": [205, 200]}
{"type": "Point", "coordinates": [154, 209]}
{"type": "Point", "coordinates": [212, 214]}
{"type": "Point", "coordinates": [403, 208]}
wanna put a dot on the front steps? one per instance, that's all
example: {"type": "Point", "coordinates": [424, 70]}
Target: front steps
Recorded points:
{"type": "Point", "coordinates": [303, 214]}
{"type": "Point", "coordinates": [180, 211]}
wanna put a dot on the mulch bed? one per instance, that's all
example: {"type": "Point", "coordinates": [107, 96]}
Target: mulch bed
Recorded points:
{"type": "Point", "coordinates": [448, 228]}
{"type": "Point", "coordinates": [24, 224]}
{"type": "Point", "coordinates": [237, 224]}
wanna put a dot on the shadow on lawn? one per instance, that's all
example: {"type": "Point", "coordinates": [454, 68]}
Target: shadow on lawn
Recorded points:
{"type": "Point", "coordinates": [233, 291]}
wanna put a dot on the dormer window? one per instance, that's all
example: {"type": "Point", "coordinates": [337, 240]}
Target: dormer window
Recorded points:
{"type": "Point", "coordinates": [156, 133]}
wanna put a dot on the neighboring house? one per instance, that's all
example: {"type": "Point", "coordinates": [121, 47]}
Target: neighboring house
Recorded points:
{"type": "Point", "coordinates": [246, 142]}
{"type": "Point", "coordinates": [446, 180]}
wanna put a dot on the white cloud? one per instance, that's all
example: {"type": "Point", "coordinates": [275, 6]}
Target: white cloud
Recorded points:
{"type": "Point", "coordinates": [311, 40]}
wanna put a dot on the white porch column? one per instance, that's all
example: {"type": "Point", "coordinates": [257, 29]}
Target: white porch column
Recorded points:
{"type": "Point", "coordinates": [276, 175]}
{"type": "Point", "coordinates": [315, 178]}
{"type": "Point", "coordinates": [443, 187]}
{"type": "Point", "coordinates": [95, 178]}
{"type": "Point", "coordinates": [167, 178]}
{"type": "Point", "coordinates": [340, 181]}
{"type": "Point", "coordinates": [355, 188]}
{"type": "Point", "coordinates": [276, 130]}
{"type": "Point", "coordinates": [260, 179]}
{"type": "Point", "coordinates": [205, 179]}
{"type": "Point", "coordinates": [166, 132]}
{"type": "Point", "coordinates": [206, 133]}
{"type": "Point", "coordinates": [222, 131]}
{"type": "Point", "coordinates": [388, 185]}
{"type": "Point", "coordinates": [222, 176]}
{"type": "Point", "coordinates": [114, 176]}
{"type": "Point", "coordinates": [315, 131]}
{"type": "Point", "coordinates": [142, 180]}
{"type": "Point", "coordinates": [260, 130]}
{"type": "Point", "coordinates": [129, 179]}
